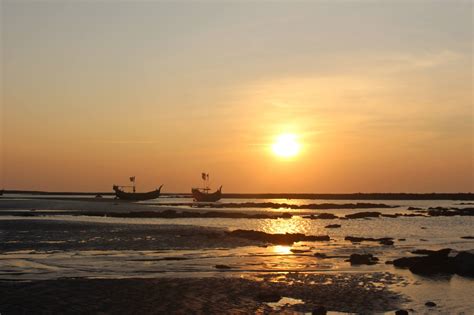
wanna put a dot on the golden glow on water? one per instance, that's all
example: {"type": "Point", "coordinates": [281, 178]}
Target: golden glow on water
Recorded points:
{"type": "Point", "coordinates": [282, 249]}
{"type": "Point", "coordinates": [286, 146]}
{"type": "Point", "coordinates": [282, 226]}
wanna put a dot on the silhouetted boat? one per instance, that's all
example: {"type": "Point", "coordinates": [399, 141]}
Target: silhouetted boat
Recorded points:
{"type": "Point", "coordinates": [134, 196]}
{"type": "Point", "coordinates": [200, 194]}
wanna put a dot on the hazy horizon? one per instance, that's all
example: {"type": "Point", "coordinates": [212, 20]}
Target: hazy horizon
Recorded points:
{"type": "Point", "coordinates": [378, 95]}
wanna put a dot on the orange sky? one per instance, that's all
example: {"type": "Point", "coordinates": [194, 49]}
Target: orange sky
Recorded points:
{"type": "Point", "coordinates": [379, 95]}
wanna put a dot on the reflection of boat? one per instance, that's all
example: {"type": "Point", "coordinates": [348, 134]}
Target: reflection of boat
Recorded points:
{"type": "Point", "coordinates": [134, 196]}
{"type": "Point", "coordinates": [202, 194]}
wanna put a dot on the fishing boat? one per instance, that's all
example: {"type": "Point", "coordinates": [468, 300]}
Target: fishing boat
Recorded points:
{"type": "Point", "coordinates": [203, 194]}
{"type": "Point", "coordinates": [120, 193]}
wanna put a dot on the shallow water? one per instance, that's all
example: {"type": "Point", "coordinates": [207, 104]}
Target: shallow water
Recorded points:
{"type": "Point", "coordinates": [453, 294]}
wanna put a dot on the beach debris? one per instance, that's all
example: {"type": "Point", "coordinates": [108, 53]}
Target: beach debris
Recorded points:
{"type": "Point", "coordinates": [222, 267]}
{"type": "Point", "coordinates": [319, 310]}
{"type": "Point", "coordinates": [430, 304]}
{"type": "Point", "coordinates": [438, 262]}
{"type": "Point", "coordinates": [279, 239]}
{"type": "Point", "coordinates": [363, 259]}
{"type": "Point", "coordinates": [332, 226]}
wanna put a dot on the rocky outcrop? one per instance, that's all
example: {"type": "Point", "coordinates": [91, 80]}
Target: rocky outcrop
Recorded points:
{"type": "Point", "coordinates": [280, 239]}
{"type": "Point", "coordinates": [438, 262]}
{"type": "Point", "coordinates": [382, 241]}
{"type": "Point", "coordinates": [363, 259]}
{"type": "Point", "coordinates": [362, 215]}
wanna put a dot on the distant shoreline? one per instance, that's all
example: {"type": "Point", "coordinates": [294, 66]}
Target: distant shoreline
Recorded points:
{"type": "Point", "coordinates": [334, 196]}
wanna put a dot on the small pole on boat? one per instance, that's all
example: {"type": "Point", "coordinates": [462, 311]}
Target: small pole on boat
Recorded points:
{"type": "Point", "coordinates": [132, 179]}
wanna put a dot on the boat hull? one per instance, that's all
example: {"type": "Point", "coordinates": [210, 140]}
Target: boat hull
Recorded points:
{"type": "Point", "coordinates": [200, 196]}
{"type": "Point", "coordinates": [120, 194]}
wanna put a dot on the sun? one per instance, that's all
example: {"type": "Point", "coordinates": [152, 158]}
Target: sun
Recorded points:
{"type": "Point", "coordinates": [286, 145]}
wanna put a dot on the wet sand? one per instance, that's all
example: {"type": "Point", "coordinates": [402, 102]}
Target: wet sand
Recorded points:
{"type": "Point", "coordinates": [347, 293]}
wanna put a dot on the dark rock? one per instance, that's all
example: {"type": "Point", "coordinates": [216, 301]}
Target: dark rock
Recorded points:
{"type": "Point", "coordinates": [389, 262]}
{"type": "Point", "coordinates": [363, 259]}
{"type": "Point", "coordinates": [430, 304]}
{"type": "Point", "coordinates": [356, 239]}
{"type": "Point", "coordinates": [402, 239]}
{"type": "Point", "coordinates": [319, 310]}
{"type": "Point", "coordinates": [386, 242]}
{"type": "Point", "coordinates": [98, 196]}
{"type": "Point", "coordinates": [401, 312]}
{"type": "Point", "coordinates": [360, 215]}
{"type": "Point", "coordinates": [414, 208]}
{"type": "Point", "coordinates": [448, 212]}
{"type": "Point", "coordinates": [442, 252]}
{"type": "Point", "coordinates": [332, 226]}
{"type": "Point", "coordinates": [280, 239]}
{"type": "Point", "coordinates": [464, 264]}
{"type": "Point", "coordinates": [423, 228]}
{"type": "Point", "coordinates": [296, 251]}
{"type": "Point", "coordinates": [320, 255]}
{"type": "Point", "coordinates": [390, 215]}
{"type": "Point", "coordinates": [436, 262]}
{"type": "Point", "coordinates": [327, 216]}
{"type": "Point", "coordinates": [268, 297]}
{"type": "Point", "coordinates": [222, 267]}
{"type": "Point", "coordinates": [468, 237]}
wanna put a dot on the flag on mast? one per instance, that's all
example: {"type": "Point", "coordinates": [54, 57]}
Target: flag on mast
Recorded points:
{"type": "Point", "coordinates": [203, 175]}
{"type": "Point", "coordinates": [132, 179]}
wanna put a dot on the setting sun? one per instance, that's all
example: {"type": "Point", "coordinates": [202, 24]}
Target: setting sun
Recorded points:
{"type": "Point", "coordinates": [286, 145]}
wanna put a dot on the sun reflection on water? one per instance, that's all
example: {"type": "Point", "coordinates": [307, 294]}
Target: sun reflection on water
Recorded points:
{"type": "Point", "coordinates": [282, 250]}
{"type": "Point", "coordinates": [281, 226]}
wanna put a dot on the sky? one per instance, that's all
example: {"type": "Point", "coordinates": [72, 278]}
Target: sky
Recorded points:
{"type": "Point", "coordinates": [379, 95]}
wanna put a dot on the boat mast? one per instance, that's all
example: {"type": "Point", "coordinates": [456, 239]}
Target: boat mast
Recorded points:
{"type": "Point", "coordinates": [132, 179]}
{"type": "Point", "coordinates": [205, 178]}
